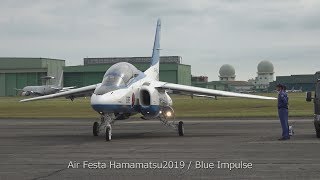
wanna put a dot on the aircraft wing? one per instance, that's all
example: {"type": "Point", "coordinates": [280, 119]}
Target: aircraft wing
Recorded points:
{"type": "Point", "coordinates": [55, 88]}
{"type": "Point", "coordinates": [204, 91]}
{"type": "Point", "coordinates": [67, 88]}
{"type": "Point", "coordinates": [63, 89]}
{"type": "Point", "coordinates": [71, 94]}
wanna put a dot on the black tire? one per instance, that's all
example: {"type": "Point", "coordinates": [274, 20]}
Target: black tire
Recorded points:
{"type": "Point", "coordinates": [108, 133]}
{"type": "Point", "coordinates": [318, 133]}
{"type": "Point", "coordinates": [317, 128]}
{"type": "Point", "coordinates": [180, 128]}
{"type": "Point", "coordinates": [95, 129]}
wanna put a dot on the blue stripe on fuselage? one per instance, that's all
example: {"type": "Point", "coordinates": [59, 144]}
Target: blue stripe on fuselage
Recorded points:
{"type": "Point", "coordinates": [114, 108]}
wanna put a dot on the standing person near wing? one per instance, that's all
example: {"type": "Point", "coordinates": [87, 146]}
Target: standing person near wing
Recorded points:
{"type": "Point", "coordinates": [283, 111]}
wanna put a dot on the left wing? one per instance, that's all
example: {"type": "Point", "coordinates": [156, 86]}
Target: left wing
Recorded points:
{"type": "Point", "coordinates": [71, 94]}
{"type": "Point", "coordinates": [64, 88]}
{"type": "Point", "coordinates": [204, 91]}
{"type": "Point", "coordinates": [67, 88]}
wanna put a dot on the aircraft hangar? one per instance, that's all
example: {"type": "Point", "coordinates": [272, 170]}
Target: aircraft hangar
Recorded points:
{"type": "Point", "coordinates": [17, 72]}
{"type": "Point", "coordinates": [303, 82]}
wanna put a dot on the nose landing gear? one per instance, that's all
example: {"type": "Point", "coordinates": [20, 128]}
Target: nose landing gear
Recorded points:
{"type": "Point", "coordinates": [104, 126]}
{"type": "Point", "coordinates": [95, 128]}
{"type": "Point", "coordinates": [108, 133]}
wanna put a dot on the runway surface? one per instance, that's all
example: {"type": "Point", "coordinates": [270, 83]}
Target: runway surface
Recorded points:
{"type": "Point", "coordinates": [43, 149]}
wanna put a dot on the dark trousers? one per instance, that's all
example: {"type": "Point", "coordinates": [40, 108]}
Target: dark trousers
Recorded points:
{"type": "Point", "coordinates": [283, 115]}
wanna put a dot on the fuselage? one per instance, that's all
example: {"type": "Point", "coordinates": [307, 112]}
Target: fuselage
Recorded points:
{"type": "Point", "coordinates": [125, 99]}
{"type": "Point", "coordinates": [122, 100]}
{"type": "Point", "coordinates": [39, 90]}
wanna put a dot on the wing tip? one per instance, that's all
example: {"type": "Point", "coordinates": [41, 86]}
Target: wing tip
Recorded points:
{"type": "Point", "coordinates": [270, 98]}
{"type": "Point", "coordinates": [26, 100]}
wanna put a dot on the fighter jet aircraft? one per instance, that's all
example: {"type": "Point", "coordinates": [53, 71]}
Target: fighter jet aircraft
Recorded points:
{"type": "Point", "coordinates": [44, 89]}
{"type": "Point", "coordinates": [125, 91]}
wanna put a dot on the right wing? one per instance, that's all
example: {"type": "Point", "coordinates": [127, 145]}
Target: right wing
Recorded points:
{"type": "Point", "coordinates": [204, 92]}
{"type": "Point", "coordinates": [71, 94]}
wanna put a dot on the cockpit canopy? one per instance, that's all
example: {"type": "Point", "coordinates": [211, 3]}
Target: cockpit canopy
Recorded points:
{"type": "Point", "coordinates": [120, 73]}
{"type": "Point", "coordinates": [117, 76]}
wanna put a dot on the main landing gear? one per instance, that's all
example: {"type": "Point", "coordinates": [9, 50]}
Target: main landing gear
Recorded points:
{"type": "Point", "coordinates": [104, 126]}
{"type": "Point", "coordinates": [180, 128]}
{"type": "Point", "coordinates": [164, 118]}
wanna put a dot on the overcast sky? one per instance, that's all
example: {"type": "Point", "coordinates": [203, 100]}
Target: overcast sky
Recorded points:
{"type": "Point", "coordinates": [206, 33]}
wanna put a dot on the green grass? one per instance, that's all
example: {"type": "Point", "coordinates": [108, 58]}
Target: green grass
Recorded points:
{"type": "Point", "coordinates": [240, 108]}
{"type": "Point", "coordinates": [184, 107]}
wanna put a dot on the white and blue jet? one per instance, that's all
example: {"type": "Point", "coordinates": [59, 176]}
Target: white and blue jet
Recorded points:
{"type": "Point", "coordinates": [125, 91]}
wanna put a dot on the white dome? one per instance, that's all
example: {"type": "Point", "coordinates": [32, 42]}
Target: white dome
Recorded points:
{"type": "Point", "coordinates": [227, 70]}
{"type": "Point", "coordinates": [265, 67]}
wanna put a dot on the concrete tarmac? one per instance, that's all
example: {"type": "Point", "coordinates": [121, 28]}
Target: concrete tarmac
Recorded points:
{"type": "Point", "coordinates": [43, 149]}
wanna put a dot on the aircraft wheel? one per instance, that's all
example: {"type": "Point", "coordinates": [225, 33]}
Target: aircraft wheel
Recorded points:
{"type": "Point", "coordinates": [317, 127]}
{"type": "Point", "coordinates": [180, 128]}
{"type": "Point", "coordinates": [108, 133]}
{"type": "Point", "coordinates": [318, 133]}
{"type": "Point", "coordinates": [95, 129]}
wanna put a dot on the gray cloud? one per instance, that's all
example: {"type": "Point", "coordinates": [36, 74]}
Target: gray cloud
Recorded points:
{"type": "Point", "coordinates": [205, 33]}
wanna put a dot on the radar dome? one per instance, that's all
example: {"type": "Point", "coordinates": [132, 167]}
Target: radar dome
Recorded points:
{"type": "Point", "coordinates": [265, 67]}
{"type": "Point", "coordinates": [227, 70]}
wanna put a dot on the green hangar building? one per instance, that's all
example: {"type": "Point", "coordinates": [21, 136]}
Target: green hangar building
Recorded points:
{"type": "Point", "coordinates": [17, 72]}
{"type": "Point", "coordinates": [171, 70]}
{"type": "Point", "coordinates": [303, 82]}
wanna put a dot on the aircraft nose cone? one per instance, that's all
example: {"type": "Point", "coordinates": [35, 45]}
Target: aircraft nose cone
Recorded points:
{"type": "Point", "coordinates": [108, 102]}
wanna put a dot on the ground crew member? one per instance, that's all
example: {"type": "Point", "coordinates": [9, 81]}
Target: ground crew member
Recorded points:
{"type": "Point", "coordinates": [283, 111]}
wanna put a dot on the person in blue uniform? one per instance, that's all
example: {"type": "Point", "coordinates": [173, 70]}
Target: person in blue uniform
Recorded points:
{"type": "Point", "coordinates": [283, 113]}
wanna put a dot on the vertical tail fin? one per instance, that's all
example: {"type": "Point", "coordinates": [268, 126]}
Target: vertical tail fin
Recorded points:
{"type": "Point", "coordinates": [153, 70]}
{"type": "Point", "coordinates": [59, 83]}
